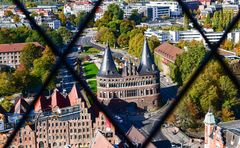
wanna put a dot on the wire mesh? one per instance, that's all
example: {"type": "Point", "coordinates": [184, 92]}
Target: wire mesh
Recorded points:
{"type": "Point", "coordinates": [62, 60]}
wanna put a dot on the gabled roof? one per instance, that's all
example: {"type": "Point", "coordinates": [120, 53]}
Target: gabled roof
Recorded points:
{"type": "Point", "coordinates": [100, 141]}
{"type": "Point", "coordinates": [108, 67]}
{"type": "Point", "coordinates": [168, 51]}
{"type": "Point", "coordinates": [20, 106]}
{"type": "Point", "coordinates": [42, 104]}
{"type": "Point", "coordinates": [16, 47]}
{"type": "Point", "coordinates": [137, 137]}
{"type": "Point", "coordinates": [57, 100]}
{"type": "Point", "coordinates": [147, 64]}
{"type": "Point", "coordinates": [74, 94]}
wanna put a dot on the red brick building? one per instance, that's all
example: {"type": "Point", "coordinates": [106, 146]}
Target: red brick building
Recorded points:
{"type": "Point", "coordinates": [136, 86]}
{"type": "Point", "coordinates": [166, 54]}
{"type": "Point", "coordinates": [10, 53]}
{"type": "Point", "coordinates": [58, 121]}
{"type": "Point", "coordinates": [221, 135]}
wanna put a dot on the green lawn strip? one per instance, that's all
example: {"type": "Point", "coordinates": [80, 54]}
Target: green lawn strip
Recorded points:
{"type": "Point", "coordinates": [93, 85]}
{"type": "Point", "coordinates": [90, 70]}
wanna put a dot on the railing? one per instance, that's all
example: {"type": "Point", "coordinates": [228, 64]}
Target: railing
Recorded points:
{"type": "Point", "coordinates": [62, 60]}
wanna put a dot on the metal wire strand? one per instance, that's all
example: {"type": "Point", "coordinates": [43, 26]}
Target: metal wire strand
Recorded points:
{"type": "Point", "coordinates": [61, 60]}
{"type": "Point", "coordinates": [207, 58]}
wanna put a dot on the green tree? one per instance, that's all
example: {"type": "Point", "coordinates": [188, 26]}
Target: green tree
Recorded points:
{"type": "Point", "coordinates": [126, 26]}
{"type": "Point", "coordinates": [16, 18]}
{"type": "Point", "coordinates": [227, 44]}
{"type": "Point", "coordinates": [186, 22]}
{"type": "Point", "coordinates": [123, 40]}
{"type": "Point", "coordinates": [62, 18]}
{"type": "Point", "coordinates": [207, 22]}
{"type": "Point", "coordinates": [29, 53]}
{"type": "Point", "coordinates": [135, 16]}
{"type": "Point", "coordinates": [6, 104]}
{"type": "Point", "coordinates": [211, 89]}
{"type": "Point", "coordinates": [65, 34]}
{"type": "Point", "coordinates": [43, 66]}
{"type": "Point", "coordinates": [187, 62]}
{"type": "Point", "coordinates": [6, 85]}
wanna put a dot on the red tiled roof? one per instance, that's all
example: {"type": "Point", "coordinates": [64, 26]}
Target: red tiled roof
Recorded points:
{"type": "Point", "coordinates": [42, 104]}
{"type": "Point", "coordinates": [100, 141]}
{"type": "Point", "coordinates": [168, 51]}
{"type": "Point", "coordinates": [20, 106]}
{"type": "Point", "coordinates": [73, 95]}
{"type": "Point", "coordinates": [16, 47]}
{"type": "Point", "coordinates": [58, 100]}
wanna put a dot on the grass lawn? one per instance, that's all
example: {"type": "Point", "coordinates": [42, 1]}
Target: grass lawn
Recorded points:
{"type": "Point", "coordinates": [93, 85]}
{"type": "Point", "coordinates": [90, 70]}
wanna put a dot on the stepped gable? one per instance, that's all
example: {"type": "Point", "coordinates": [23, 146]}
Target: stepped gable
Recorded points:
{"type": "Point", "coordinates": [58, 100]}
{"type": "Point", "coordinates": [108, 67]}
{"type": "Point", "coordinates": [147, 65]}
{"type": "Point", "coordinates": [100, 141]}
{"type": "Point", "coordinates": [20, 106]}
{"type": "Point", "coordinates": [42, 104]}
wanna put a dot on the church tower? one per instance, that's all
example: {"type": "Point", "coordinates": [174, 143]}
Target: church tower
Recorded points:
{"type": "Point", "coordinates": [209, 122]}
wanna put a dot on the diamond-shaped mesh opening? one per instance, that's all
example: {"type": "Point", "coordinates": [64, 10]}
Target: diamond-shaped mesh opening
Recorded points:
{"type": "Point", "coordinates": [212, 91]}
{"type": "Point", "coordinates": [62, 60]}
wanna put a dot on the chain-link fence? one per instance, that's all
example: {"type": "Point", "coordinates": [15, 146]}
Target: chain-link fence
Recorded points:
{"type": "Point", "coordinates": [61, 60]}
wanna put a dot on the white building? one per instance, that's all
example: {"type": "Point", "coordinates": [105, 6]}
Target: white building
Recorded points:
{"type": "Point", "coordinates": [51, 23]}
{"type": "Point", "coordinates": [157, 12]}
{"type": "Point", "coordinates": [163, 36]}
{"type": "Point", "coordinates": [175, 9]}
{"type": "Point", "coordinates": [189, 35]}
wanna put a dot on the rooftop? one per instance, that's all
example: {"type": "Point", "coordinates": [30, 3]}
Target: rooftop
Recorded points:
{"type": "Point", "coordinates": [15, 47]}
{"type": "Point", "coordinates": [169, 51]}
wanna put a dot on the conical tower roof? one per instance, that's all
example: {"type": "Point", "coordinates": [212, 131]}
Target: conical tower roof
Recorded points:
{"type": "Point", "coordinates": [147, 64]}
{"type": "Point", "coordinates": [108, 67]}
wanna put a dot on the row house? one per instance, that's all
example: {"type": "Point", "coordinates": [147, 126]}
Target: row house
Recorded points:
{"type": "Point", "coordinates": [57, 121]}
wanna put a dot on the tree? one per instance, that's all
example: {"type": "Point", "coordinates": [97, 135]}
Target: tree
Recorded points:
{"type": "Point", "coordinates": [227, 44]}
{"type": "Point", "coordinates": [136, 17]}
{"type": "Point", "coordinates": [62, 18]}
{"type": "Point", "coordinates": [24, 81]}
{"type": "Point", "coordinates": [212, 89]}
{"type": "Point", "coordinates": [187, 62]}
{"type": "Point", "coordinates": [207, 22]}
{"type": "Point", "coordinates": [186, 22]}
{"type": "Point", "coordinates": [8, 13]}
{"type": "Point", "coordinates": [43, 66]}
{"type": "Point", "coordinates": [65, 34]}
{"type": "Point", "coordinates": [6, 104]}
{"type": "Point", "coordinates": [80, 17]}
{"type": "Point", "coordinates": [123, 40]}
{"type": "Point", "coordinates": [16, 18]}
{"type": "Point", "coordinates": [6, 85]}
{"type": "Point", "coordinates": [126, 26]}
{"type": "Point", "coordinates": [29, 53]}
